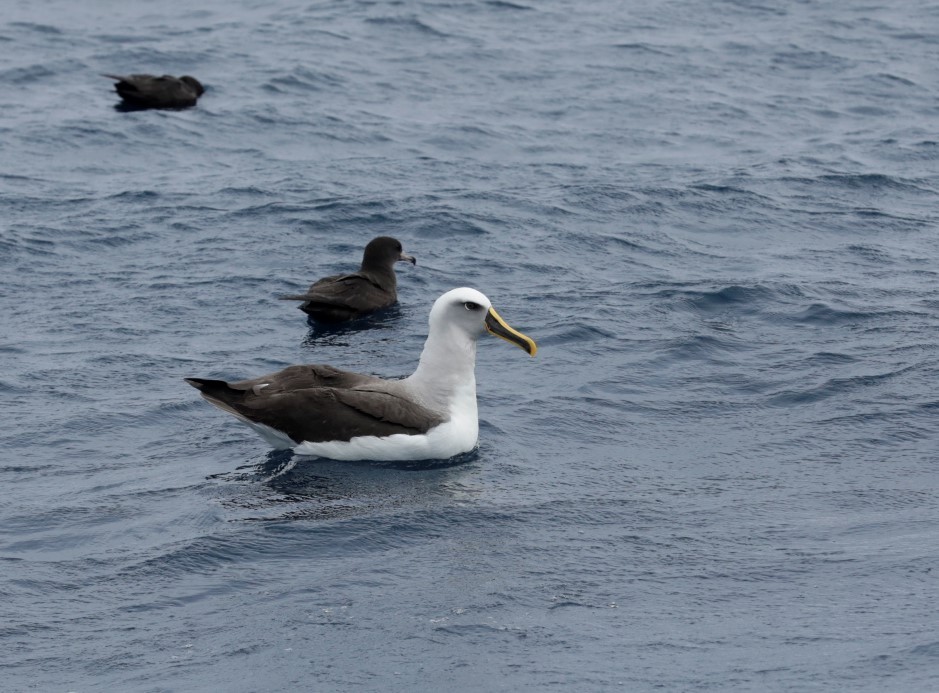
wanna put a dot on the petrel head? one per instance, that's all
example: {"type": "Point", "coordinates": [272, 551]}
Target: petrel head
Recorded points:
{"type": "Point", "coordinates": [383, 252]}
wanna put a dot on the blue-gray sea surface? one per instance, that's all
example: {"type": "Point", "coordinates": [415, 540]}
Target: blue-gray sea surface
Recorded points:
{"type": "Point", "coordinates": [718, 219]}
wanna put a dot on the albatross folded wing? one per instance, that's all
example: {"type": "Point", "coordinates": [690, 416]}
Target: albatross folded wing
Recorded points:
{"type": "Point", "coordinates": [390, 409]}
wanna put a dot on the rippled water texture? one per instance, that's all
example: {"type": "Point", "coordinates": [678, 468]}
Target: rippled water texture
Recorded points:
{"type": "Point", "coordinates": [718, 220]}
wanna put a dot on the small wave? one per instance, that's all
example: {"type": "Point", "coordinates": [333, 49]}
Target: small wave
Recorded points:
{"type": "Point", "coordinates": [870, 253]}
{"type": "Point", "coordinates": [825, 358]}
{"type": "Point", "coordinates": [929, 650]}
{"type": "Point", "coordinates": [304, 79]}
{"type": "Point", "coordinates": [23, 469]}
{"type": "Point", "coordinates": [700, 346]}
{"type": "Point", "coordinates": [481, 630]}
{"type": "Point", "coordinates": [822, 314]}
{"type": "Point", "coordinates": [598, 197]}
{"type": "Point", "coordinates": [266, 209]}
{"type": "Point", "coordinates": [833, 387]}
{"type": "Point", "coordinates": [798, 58]}
{"type": "Point", "coordinates": [316, 525]}
{"type": "Point", "coordinates": [862, 499]}
{"type": "Point", "coordinates": [641, 48]}
{"type": "Point", "coordinates": [8, 387]}
{"type": "Point", "coordinates": [245, 190]}
{"type": "Point", "coordinates": [135, 196]}
{"type": "Point", "coordinates": [102, 422]}
{"type": "Point", "coordinates": [734, 297]}
{"type": "Point", "coordinates": [576, 333]}
{"type": "Point", "coordinates": [448, 224]}
{"type": "Point", "coordinates": [25, 75]}
{"type": "Point", "coordinates": [892, 80]}
{"type": "Point", "coordinates": [505, 5]}
{"type": "Point", "coordinates": [203, 555]}
{"type": "Point", "coordinates": [875, 182]}
{"type": "Point", "coordinates": [38, 28]}
{"type": "Point", "coordinates": [407, 24]}
{"type": "Point", "coordinates": [121, 39]}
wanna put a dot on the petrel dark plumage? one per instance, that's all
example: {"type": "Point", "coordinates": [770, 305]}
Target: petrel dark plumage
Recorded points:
{"type": "Point", "coordinates": [343, 297]}
{"type": "Point", "coordinates": [150, 91]}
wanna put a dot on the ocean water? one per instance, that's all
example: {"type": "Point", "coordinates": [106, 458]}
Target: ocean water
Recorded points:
{"type": "Point", "coordinates": [717, 219]}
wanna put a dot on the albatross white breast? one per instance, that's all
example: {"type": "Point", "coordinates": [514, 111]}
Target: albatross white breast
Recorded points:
{"type": "Point", "coordinates": [325, 412]}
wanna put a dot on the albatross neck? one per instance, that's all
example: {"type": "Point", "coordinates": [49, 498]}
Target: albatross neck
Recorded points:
{"type": "Point", "coordinates": [447, 363]}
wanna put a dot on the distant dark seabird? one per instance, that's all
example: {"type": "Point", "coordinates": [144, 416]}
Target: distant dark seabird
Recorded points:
{"type": "Point", "coordinates": [325, 412]}
{"type": "Point", "coordinates": [149, 91]}
{"type": "Point", "coordinates": [342, 297]}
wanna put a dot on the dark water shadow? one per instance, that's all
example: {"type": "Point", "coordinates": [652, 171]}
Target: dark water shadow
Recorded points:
{"type": "Point", "coordinates": [333, 333]}
{"type": "Point", "coordinates": [284, 486]}
{"type": "Point", "coordinates": [430, 465]}
{"type": "Point", "coordinates": [276, 461]}
{"type": "Point", "coordinates": [284, 462]}
{"type": "Point", "coordinates": [295, 475]}
{"type": "Point", "coordinates": [122, 107]}
{"type": "Point", "coordinates": [126, 107]}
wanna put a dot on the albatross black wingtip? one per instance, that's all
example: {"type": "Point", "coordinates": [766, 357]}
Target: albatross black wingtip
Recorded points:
{"type": "Point", "coordinates": [205, 384]}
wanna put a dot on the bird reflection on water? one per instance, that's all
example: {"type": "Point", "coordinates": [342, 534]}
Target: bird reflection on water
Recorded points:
{"type": "Point", "coordinates": [279, 464]}
{"type": "Point", "coordinates": [304, 488]}
{"type": "Point", "coordinates": [334, 334]}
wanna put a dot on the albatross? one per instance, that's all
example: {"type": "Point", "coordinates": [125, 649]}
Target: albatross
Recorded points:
{"type": "Point", "coordinates": [342, 297]}
{"type": "Point", "coordinates": [321, 411]}
{"type": "Point", "coordinates": [149, 91]}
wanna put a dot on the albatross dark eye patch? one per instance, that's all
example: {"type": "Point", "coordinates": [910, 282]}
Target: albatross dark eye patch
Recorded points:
{"type": "Point", "coordinates": [469, 305]}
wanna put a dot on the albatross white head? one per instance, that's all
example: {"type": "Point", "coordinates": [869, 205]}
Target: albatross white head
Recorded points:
{"type": "Point", "coordinates": [457, 320]}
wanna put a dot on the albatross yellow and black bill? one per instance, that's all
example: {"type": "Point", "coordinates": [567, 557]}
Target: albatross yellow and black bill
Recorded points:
{"type": "Point", "coordinates": [497, 326]}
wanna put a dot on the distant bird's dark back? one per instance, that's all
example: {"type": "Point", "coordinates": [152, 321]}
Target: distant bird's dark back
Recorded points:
{"type": "Point", "coordinates": [342, 297]}
{"type": "Point", "coordinates": [150, 91]}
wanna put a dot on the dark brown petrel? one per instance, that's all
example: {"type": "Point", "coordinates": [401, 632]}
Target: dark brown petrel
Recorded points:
{"type": "Point", "coordinates": [342, 297]}
{"type": "Point", "coordinates": [149, 91]}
